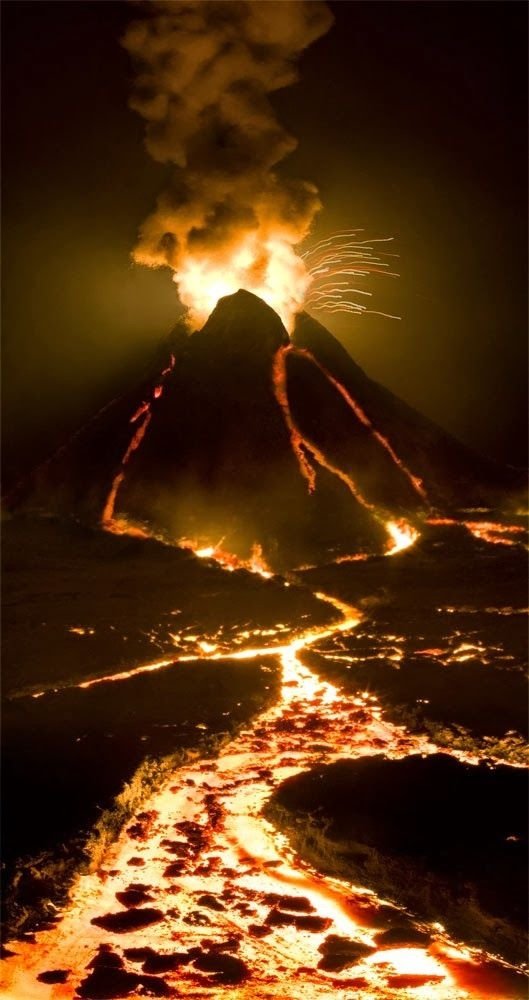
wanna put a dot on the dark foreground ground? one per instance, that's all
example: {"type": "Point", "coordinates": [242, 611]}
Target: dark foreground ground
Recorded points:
{"type": "Point", "coordinates": [444, 838]}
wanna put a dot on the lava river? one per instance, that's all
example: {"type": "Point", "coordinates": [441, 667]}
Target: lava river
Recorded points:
{"type": "Point", "coordinates": [202, 895]}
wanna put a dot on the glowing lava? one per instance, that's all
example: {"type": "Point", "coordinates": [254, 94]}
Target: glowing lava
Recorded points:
{"type": "Point", "coordinates": [222, 889]}
{"type": "Point", "coordinates": [255, 563]}
{"type": "Point", "coordinates": [495, 533]}
{"type": "Point", "coordinates": [359, 413]}
{"type": "Point", "coordinates": [279, 382]}
{"type": "Point", "coordinates": [269, 268]}
{"type": "Point", "coordinates": [402, 535]}
{"type": "Point", "coordinates": [268, 265]}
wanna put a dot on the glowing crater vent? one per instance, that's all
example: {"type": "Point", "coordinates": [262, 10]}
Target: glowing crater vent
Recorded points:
{"type": "Point", "coordinates": [271, 270]}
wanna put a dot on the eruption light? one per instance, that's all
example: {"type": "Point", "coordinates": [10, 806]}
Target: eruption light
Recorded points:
{"type": "Point", "coordinates": [335, 264]}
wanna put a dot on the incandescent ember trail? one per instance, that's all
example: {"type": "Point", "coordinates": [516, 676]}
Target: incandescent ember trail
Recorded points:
{"type": "Point", "coordinates": [335, 265]}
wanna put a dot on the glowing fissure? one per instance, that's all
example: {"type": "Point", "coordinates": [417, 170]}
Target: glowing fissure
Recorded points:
{"type": "Point", "coordinates": [279, 382]}
{"type": "Point", "coordinates": [416, 483]}
{"type": "Point", "coordinates": [255, 563]}
{"type": "Point", "coordinates": [219, 878]}
{"type": "Point", "coordinates": [120, 525]}
{"type": "Point", "coordinates": [300, 442]}
{"type": "Point", "coordinates": [208, 649]}
{"type": "Point", "coordinates": [401, 534]}
{"type": "Point", "coordinates": [107, 519]}
{"type": "Point", "coordinates": [486, 531]}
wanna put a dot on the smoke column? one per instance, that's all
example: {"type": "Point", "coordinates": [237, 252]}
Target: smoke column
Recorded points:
{"type": "Point", "coordinates": [226, 218]}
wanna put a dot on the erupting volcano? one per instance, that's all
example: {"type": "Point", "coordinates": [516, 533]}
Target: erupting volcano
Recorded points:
{"type": "Point", "coordinates": [264, 642]}
{"type": "Point", "coordinates": [247, 440]}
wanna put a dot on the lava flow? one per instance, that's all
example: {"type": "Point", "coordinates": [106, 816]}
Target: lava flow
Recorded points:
{"type": "Point", "coordinates": [359, 413]}
{"type": "Point", "coordinates": [487, 531]}
{"type": "Point", "coordinates": [400, 532]}
{"type": "Point", "coordinates": [201, 893]}
{"type": "Point", "coordinates": [256, 562]}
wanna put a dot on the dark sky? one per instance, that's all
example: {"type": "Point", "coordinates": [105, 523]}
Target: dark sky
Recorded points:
{"type": "Point", "coordinates": [411, 118]}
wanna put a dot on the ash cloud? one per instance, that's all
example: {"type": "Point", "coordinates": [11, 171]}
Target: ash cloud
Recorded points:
{"type": "Point", "coordinates": [204, 70]}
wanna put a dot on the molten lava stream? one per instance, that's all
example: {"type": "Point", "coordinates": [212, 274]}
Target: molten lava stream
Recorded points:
{"type": "Point", "coordinates": [400, 533]}
{"type": "Point", "coordinates": [210, 871]}
{"type": "Point", "coordinates": [359, 413]}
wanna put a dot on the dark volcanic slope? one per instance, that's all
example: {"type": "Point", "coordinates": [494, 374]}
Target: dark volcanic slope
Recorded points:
{"type": "Point", "coordinates": [453, 474]}
{"type": "Point", "coordinates": [239, 434]}
{"type": "Point", "coordinates": [217, 460]}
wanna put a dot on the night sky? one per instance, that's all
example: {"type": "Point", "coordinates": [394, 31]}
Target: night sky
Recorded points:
{"type": "Point", "coordinates": [411, 119]}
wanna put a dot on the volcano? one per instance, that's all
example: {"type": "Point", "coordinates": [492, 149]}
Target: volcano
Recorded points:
{"type": "Point", "coordinates": [243, 438]}
{"type": "Point", "coordinates": [189, 741]}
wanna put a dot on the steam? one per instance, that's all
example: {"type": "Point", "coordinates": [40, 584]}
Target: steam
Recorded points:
{"type": "Point", "coordinates": [226, 218]}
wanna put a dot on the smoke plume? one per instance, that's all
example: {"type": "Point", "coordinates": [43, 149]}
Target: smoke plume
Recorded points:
{"type": "Point", "coordinates": [226, 217]}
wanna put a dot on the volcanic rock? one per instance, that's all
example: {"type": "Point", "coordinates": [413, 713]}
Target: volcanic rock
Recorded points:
{"type": "Point", "coordinates": [444, 838]}
{"type": "Point", "coordinates": [340, 952]}
{"type": "Point", "coordinates": [129, 920]}
{"type": "Point", "coordinates": [303, 921]}
{"type": "Point", "coordinates": [54, 976]}
{"type": "Point", "coordinates": [402, 937]}
{"type": "Point", "coordinates": [226, 969]}
{"type": "Point", "coordinates": [210, 902]}
{"type": "Point", "coordinates": [453, 474]}
{"type": "Point", "coordinates": [133, 897]}
{"type": "Point", "coordinates": [242, 435]}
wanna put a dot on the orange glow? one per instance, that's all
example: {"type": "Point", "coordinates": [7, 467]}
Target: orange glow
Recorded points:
{"type": "Point", "coordinates": [492, 532]}
{"type": "Point", "coordinates": [279, 382]}
{"type": "Point", "coordinates": [355, 557]}
{"type": "Point", "coordinates": [336, 265]}
{"type": "Point", "coordinates": [107, 517]}
{"type": "Point", "coordinates": [495, 533]}
{"type": "Point", "coordinates": [256, 562]}
{"type": "Point", "coordinates": [121, 525]}
{"type": "Point", "coordinates": [243, 862]}
{"type": "Point", "coordinates": [269, 267]}
{"type": "Point", "coordinates": [410, 961]}
{"type": "Point", "coordinates": [301, 444]}
{"type": "Point", "coordinates": [143, 408]}
{"type": "Point", "coordinates": [402, 535]}
{"type": "Point", "coordinates": [364, 419]}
